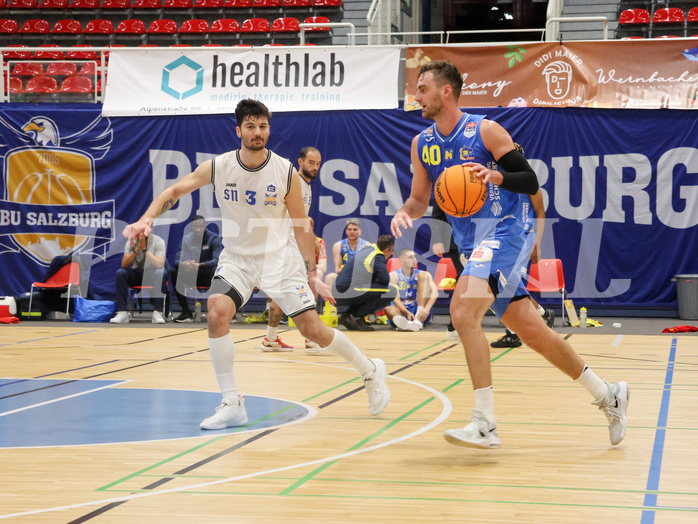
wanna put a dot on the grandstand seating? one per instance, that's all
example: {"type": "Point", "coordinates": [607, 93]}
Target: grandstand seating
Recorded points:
{"type": "Point", "coordinates": [48, 55]}
{"type": "Point", "coordinates": [225, 30]}
{"type": "Point", "coordinates": [27, 69]}
{"type": "Point", "coordinates": [99, 32]}
{"type": "Point", "coordinates": [19, 5]}
{"type": "Point", "coordinates": [194, 31]}
{"type": "Point", "coordinates": [668, 21]}
{"type": "Point", "coordinates": [62, 69]}
{"type": "Point", "coordinates": [162, 32]}
{"type": "Point", "coordinates": [67, 32]}
{"type": "Point", "coordinates": [81, 55]}
{"type": "Point", "coordinates": [16, 55]}
{"type": "Point", "coordinates": [77, 89]}
{"type": "Point", "coordinates": [54, 7]}
{"type": "Point", "coordinates": [16, 85]}
{"type": "Point", "coordinates": [255, 28]}
{"type": "Point", "coordinates": [633, 22]}
{"type": "Point", "coordinates": [41, 84]}
{"type": "Point", "coordinates": [9, 31]}
{"type": "Point", "coordinates": [132, 31]}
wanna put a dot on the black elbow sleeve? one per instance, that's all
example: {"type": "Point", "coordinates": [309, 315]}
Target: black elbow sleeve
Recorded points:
{"type": "Point", "coordinates": [518, 175]}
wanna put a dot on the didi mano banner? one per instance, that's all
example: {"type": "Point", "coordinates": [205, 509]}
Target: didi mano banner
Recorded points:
{"type": "Point", "coordinates": [639, 74]}
{"type": "Point", "coordinates": [175, 82]}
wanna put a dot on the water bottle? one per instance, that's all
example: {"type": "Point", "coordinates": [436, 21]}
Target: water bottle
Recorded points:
{"type": "Point", "coordinates": [197, 311]}
{"type": "Point", "coordinates": [583, 317]}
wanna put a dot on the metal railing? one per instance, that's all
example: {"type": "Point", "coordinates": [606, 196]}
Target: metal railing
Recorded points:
{"type": "Point", "coordinates": [552, 25]}
{"type": "Point", "coordinates": [351, 35]}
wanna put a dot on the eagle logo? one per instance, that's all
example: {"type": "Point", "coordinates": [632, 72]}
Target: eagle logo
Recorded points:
{"type": "Point", "coordinates": [49, 206]}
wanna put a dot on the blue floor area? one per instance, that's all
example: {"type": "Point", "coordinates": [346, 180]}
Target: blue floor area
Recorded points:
{"type": "Point", "coordinates": [50, 412]}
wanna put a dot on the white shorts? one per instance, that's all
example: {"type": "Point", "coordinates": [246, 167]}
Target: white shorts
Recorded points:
{"type": "Point", "coordinates": [280, 274]}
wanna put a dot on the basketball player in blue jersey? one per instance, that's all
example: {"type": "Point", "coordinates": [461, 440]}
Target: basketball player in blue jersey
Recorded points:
{"type": "Point", "coordinates": [309, 161]}
{"type": "Point", "coordinates": [346, 248]}
{"type": "Point", "coordinates": [493, 239]}
{"type": "Point", "coordinates": [267, 244]}
{"type": "Point", "coordinates": [417, 293]}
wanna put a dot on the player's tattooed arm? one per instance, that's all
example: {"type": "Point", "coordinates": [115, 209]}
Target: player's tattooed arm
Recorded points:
{"type": "Point", "coordinates": [167, 206]}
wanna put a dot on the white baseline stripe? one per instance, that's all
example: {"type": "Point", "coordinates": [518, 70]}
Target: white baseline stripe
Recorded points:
{"type": "Point", "coordinates": [617, 340]}
{"type": "Point", "coordinates": [445, 412]}
{"type": "Point", "coordinates": [60, 399]}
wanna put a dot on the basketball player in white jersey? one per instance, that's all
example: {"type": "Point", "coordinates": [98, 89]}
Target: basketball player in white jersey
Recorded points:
{"type": "Point", "coordinates": [308, 168]}
{"type": "Point", "coordinates": [267, 243]}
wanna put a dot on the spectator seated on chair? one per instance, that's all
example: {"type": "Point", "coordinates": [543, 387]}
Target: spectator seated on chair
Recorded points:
{"type": "Point", "coordinates": [143, 264]}
{"type": "Point", "coordinates": [195, 263]}
{"type": "Point", "coordinates": [417, 293]}
{"type": "Point", "coordinates": [363, 284]}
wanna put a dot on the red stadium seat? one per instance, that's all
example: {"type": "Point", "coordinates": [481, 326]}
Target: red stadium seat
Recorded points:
{"type": "Point", "coordinates": [48, 55]}
{"type": "Point", "coordinates": [285, 25]}
{"type": "Point", "coordinates": [67, 30]}
{"type": "Point", "coordinates": [77, 84]}
{"type": "Point", "coordinates": [116, 4]}
{"type": "Point", "coordinates": [16, 85]}
{"type": "Point", "coordinates": [445, 269]}
{"type": "Point", "coordinates": [146, 4]}
{"type": "Point", "coordinates": [634, 16]}
{"type": "Point", "coordinates": [99, 27]}
{"type": "Point", "coordinates": [81, 55]}
{"type": "Point", "coordinates": [668, 15]}
{"type": "Point", "coordinates": [88, 69]}
{"type": "Point", "coordinates": [195, 25]}
{"type": "Point", "coordinates": [16, 55]}
{"type": "Point", "coordinates": [54, 5]}
{"type": "Point", "coordinates": [85, 4]}
{"type": "Point", "coordinates": [134, 26]}
{"type": "Point", "coordinates": [225, 25]}
{"type": "Point", "coordinates": [237, 4]}
{"type": "Point", "coordinates": [36, 26]}
{"type": "Point", "coordinates": [255, 25]}
{"type": "Point", "coordinates": [9, 25]}
{"type": "Point", "coordinates": [62, 69]}
{"type": "Point", "coordinates": [23, 4]}
{"type": "Point", "coordinates": [316, 20]}
{"type": "Point", "coordinates": [41, 84]}
{"type": "Point", "coordinates": [297, 3]}
{"type": "Point", "coordinates": [208, 4]}
{"type": "Point", "coordinates": [327, 3]}
{"type": "Point", "coordinates": [394, 264]}
{"type": "Point", "coordinates": [692, 15]}
{"type": "Point", "coordinates": [164, 26]}
{"type": "Point", "coordinates": [265, 4]}
{"type": "Point", "coordinates": [28, 69]}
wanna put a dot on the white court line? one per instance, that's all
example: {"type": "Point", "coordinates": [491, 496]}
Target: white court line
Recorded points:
{"type": "Point", "coordinates": [617, 340]}
{"type": "Point", "coordinates": [61, 398]}
{"type": "Point", "coordinates": [445, 412]}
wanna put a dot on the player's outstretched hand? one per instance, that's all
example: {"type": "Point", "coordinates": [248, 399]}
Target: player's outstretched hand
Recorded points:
{"type": "Point", "coordinates": [400, 220]}
{"type": "Point", "coordinates": [322, 289]}
{"type": "Point", "coordinates": [137, 229]}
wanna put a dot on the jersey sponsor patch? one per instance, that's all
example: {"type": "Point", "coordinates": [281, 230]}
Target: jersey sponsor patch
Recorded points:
{"type": "Point", "coordinates": [481, 254]}
{"type": "Point", "coordinates": [470, 129]}
{"type": "Point", "coordinates": [494, 244]}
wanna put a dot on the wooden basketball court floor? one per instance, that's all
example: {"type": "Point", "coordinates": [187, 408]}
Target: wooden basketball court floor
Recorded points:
{"type": "Point", "coordinates": [99, 423]}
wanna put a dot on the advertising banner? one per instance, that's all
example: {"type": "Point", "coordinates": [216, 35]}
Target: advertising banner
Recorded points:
{"type": "Point", "coordinates": [620, 188]}
{"type": "Point", "coordinates": [309, 78]}
{"type": "Point", "coordinates": [649, 74]}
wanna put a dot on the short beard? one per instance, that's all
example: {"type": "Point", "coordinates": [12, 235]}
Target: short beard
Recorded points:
{"type": "Point", "coordinates": [310, 175]}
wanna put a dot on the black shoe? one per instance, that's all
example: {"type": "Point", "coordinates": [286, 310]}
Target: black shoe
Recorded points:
{"type": "Point", "coordinates": [348, 322]}
{"type": "Point", "coordinates": [549, 317]}
{"type": "Point", "coordinates": [185, 316]}
{"type": "Point", "coordinates": [510, 340]}
{"type": "Point", "coordinates": [363, 325]}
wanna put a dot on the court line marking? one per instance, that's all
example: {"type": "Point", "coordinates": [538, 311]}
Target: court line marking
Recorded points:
{"type": "Point", "coordinates": [659, 436]}
{"type": "Point", "coordinates": [59, 399]}
{"type": "Point", "coordinates": [445, 412]}
{"type": "Point", "coordinates": [617, 340]}
{"type": "Point", "coordinates": [48, 338]}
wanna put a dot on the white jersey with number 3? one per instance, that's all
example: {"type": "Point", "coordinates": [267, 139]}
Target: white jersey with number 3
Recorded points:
{"type": "Point", "coordinates": [253, 202]}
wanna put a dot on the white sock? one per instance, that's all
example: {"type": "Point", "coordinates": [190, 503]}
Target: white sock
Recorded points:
{"type": "Point", "coordinates": [592, 383]}
{"type": "Point", "coordinates": [271, 333]}
{"type": "Point", "coordinates": [541, 311]}
{"type": "Point", "coordinates": [345, 348]}
{"type": "Point", "coordinates": [419, 308]}
{"type": "Point", "coordinates": [484, 400]}
{"type": "Point", "coordinates": [222, 351]}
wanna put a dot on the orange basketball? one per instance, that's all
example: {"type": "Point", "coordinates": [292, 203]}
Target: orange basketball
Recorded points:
{"type": "Point", "coordinates": [459, 192]}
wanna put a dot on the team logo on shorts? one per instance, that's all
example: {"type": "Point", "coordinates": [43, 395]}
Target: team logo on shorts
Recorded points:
{"type": "Point", "coordinates": [271, 198]}
{"type": "Point", "coordinates": [302, 293]}
{"type": "Point", "coordinates": [481, 254]}
{"type": "Point", "coordinates": [49, 207]}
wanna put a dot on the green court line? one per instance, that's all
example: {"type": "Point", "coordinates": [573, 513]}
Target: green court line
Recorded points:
{"type": "Point", "coordinates": [331, 389]}
{"type": "Point", "coordinates": [421, 350]}
{"type": "Point", "coordinates": [502, 354]}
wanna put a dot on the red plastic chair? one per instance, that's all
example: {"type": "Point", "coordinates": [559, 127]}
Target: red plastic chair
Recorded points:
{"type": "Point", "coordinates": [297, 3]}
{"type": "Point", "coordinates": [146, 5]}
{"type": "Point", "coordinates": [133, 26]}
{"type": "Point", "coordinates": [692, 15]}
{"type": "Point", "coordinates": [64, 29]}
{"type": "Point", "coordinates": [237, 4]}
{"type": "Point", "coordinates": [48, 55]}
{"type": "Point", "coordinates": [16, 55]}
{"type": "Point", "coordinates": [77, 84]}
{"type": "Point", "coordinates": [88, 69]}
{"type": "Point", "coordinates": [668, 15]}
{"type": "Point", "coordinates": [85, 4]}
{"type": "Point", "coordinates": [62, 69]}
{"type": "Point", "coordinates": [195, 25]}
{"type": "Point", "coordinates": [28, 69]}
{"type": "Point", "coordinates": [394, 264]}
{"type": "Point", "coordinates": [116, 4]}
{"type": "Point", "coordinates": [634, 16]}
{"type": "Point", "coordinates": [177, 4]}
{"type": "Point", "coordinates": [54, 5]}
{"type": "Point", "coordinates": [225, 25]}
{"type": "Point", "coordinates": [547, 276]}
{"type": "Point", "coordinates": [316, 20]}
{"type": "Point", "coordinates": [208, 4]}
{"type": "Point", "coordinates": [24, 4]}
{"type": "Point", "coordinates": [36, 26]}
{"type": "Point", "coordinates": [99, 27]}
{"type": "Point", "coordinates": [445, 269]}
{"type": "Point", "coordinates": [66, 277]}
{"type": "Point", "coordinates": [285, 25]}
{"type": "Point", "coordinates": [255, 25]}
{"type": "Point", "coordinates": [41, 84]}
{"type": "Point", "coordinates": [327, 3]}
{"type": "Point", "coordinates": [81, 55]}
{"type": "Point", "coordinates": [16, 85]}
{"type": "Point", "coordinates": [164, 26]}
{"type": "Point", "coordinates": [9, 26]}
{"type": "Point", "coordinates": [256, 4]}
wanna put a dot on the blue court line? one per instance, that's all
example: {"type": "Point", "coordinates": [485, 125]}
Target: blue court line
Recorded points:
{"type": "Point", "coordinates": [48, 338]}
{"type": "Point", "coordinates": [660, 434]}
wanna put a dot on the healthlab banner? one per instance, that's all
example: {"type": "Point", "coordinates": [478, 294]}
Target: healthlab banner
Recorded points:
{"type": "Point", "coordinates": [308, 78]}
{"type": "Point", "coordinates": [631, 74]}
{"type": "Point", "coordinates": [620, 188]}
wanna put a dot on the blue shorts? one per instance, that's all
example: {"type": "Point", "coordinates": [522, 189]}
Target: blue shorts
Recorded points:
{"type": "Point", "coordinates": [500, 261]}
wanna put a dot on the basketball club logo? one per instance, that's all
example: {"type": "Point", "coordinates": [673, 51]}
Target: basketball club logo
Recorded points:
{"type": "Point", "coordinates": [49, 207]}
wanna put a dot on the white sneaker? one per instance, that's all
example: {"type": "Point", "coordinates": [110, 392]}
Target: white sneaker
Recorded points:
{"type": "Point", "coordinates": [313, 347]}
{"type": "Point", "coordinates": [614, 406]}
{"type": "Point", "coordinates": [274, 345]}
{"type": "Point", "coordinates": [227, 416]}
{"type": "Point", "coordinates": [452, 335]}
{"type": "Point", "coordinates": [376, 384]}
{"type": "Point", "coordinates": [480, 433]}
{"type": "Point", "coordinates": [122, 317]}
{"type": "Point", "coordinates": [414, 325]}
{"type": "Point", "coordinates": [400, 322]}
{"type": "Point", "coordinates": [157, 318]}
